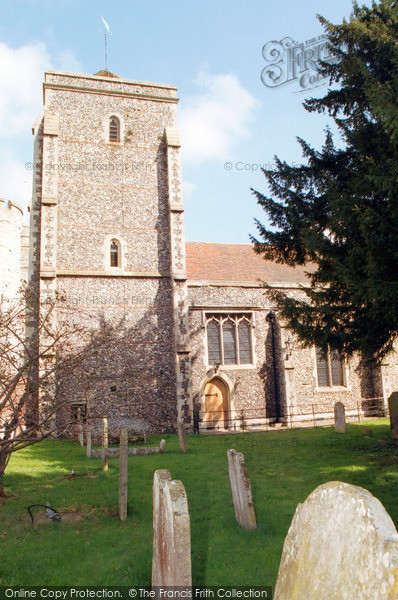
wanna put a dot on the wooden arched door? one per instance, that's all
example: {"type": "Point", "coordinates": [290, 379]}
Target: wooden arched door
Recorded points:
{"type": "Point", "coordinates": [216, 403]}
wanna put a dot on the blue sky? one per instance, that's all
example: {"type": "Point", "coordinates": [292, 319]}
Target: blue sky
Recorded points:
{"type": "Point", "coordinates": [210, 49]}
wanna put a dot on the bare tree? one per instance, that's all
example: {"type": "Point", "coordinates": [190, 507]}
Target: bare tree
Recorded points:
{"type": "Point", "coordinates": [41, 347]}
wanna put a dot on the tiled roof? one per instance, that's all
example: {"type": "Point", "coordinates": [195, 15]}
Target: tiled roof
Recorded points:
{"type": "Point", "coordinates": [228, 263]}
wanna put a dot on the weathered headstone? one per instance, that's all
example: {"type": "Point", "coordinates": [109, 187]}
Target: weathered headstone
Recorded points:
{"type": "Point", "coordinates": [162, 446]}
{"type": "Point", "coordinates": [80, 427]}
{"type": "Point", "coordinates": [104, 449]}
{"type": "Point", "coordinates": [123, 474]}
{"type": "Point", "coordinates": [171, 563]}
{"type": "Point", "coordinates": [241, 490]}
{"type": "Point", "coordinates": [339, 417]}
{"type": "Point", "coordinates": [88, 438]}
{"type": "Point", "coordinates": [182, 436]}
{"type": "Point", "coordinates": [341, 545]}
{"type": "Point", "coordinates": [393, 408]}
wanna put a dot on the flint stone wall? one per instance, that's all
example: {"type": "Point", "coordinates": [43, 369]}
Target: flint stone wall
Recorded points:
{"type": "Point", "coordinates": [341, 545]}
{"type": "Point", "coordinates": [254, 387]}
{"type": "Point", "coordinates": [94, 190]}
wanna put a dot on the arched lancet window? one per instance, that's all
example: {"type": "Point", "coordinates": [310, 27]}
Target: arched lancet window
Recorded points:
{"type": "Point", "coordinates": [229, 341]}
{"type": "Point", "coordinates": [214, 341]}
{"type": "Point", "coordinates": [245, 350]}
{"type": "Point", "coordinates": [114, 254]}
{"type": "Point", "coordinates": [114, 129]}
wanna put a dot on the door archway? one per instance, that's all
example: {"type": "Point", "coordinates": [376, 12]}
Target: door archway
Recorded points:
{"type": "Point", "coordinates": [216, 398]}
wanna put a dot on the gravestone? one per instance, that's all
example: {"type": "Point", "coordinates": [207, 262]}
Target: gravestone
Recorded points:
{"type": "Point", "coordinates": [104, 449]}
{"type": "Point", "coordinates": [341, 545]}
{"type": "Point", "coordinates": [88, 438]}
{"type": "Point", "coordinates": [171, 563]}
{"type": "Point", "coordinates": [241, 490]}
{"type": "Point", "coordinates": [393, 408]}
{"type": "Point", "coordinates": [339, 417]}
{"type": "Point", "coordinates": [123, 474]}
{"type": "Point", "coordinates": [162, 446]}
{"type": "Point", "coordinates": [143, 451]}
{"type": "Point", "coordinates": [80, 427]}
{"type": "Point", "coordinates": [182, 436]}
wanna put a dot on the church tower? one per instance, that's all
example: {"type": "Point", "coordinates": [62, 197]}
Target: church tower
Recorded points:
{"type": "Point", "coordinates": [107, 230]}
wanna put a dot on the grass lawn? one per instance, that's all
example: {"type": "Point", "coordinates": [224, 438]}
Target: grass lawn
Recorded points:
{"type": "Point", "coordinates": [284, 468]}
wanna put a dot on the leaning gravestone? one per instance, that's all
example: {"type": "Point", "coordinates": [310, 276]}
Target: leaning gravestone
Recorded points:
{"type": "Point", "coordinates": [104, 449]}
{"type": "Point", "coordinates": [241, 490]}
{"type": "Point", "coordinates": [393, 408]}
{"type": "Point", "coordinates": [80, 437]}
{"type": "Point", "coordinates": [341, 545]}
{"type": "Point", "coordinates": [171, 563]}
{"type": "Point", "coordinates": [123, 474]}
{"type": "Point", "coordinates": [182, 436]}
{"type": "Point", "coordinates": [88, 439]}
{"type": "Point", "coordinates": [339, 417]}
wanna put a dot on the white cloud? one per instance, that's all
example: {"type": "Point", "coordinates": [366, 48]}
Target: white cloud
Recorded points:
{"type": "Point", "coordinates": [213, 121]}
{"type": "Point", "coordinates": [188, 187]}
{"type": "Point", "coordinates": [21, 95]}
{"type": "Point", "coordinates": [21, 98]}
{"type": "Point", "coordinates": [20, 90]}
{"type": "Point", "coordinates": [66, 61]}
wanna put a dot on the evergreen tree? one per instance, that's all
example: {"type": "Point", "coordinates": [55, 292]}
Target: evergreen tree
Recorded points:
{"type": "Point", "coordinates": [339, 210]}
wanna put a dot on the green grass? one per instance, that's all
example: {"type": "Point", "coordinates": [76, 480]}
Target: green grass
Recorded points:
{"type": "Point", "coordinates": [284, 468]}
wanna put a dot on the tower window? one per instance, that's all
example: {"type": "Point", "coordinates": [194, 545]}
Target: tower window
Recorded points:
{"type": "Point", "coordinates": [114, 129]}
{"type": "Point", "coordinates": [114, 254]}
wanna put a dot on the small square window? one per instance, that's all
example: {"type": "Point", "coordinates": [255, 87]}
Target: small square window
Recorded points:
{"type": "Point", "coordinates": [78, 408]}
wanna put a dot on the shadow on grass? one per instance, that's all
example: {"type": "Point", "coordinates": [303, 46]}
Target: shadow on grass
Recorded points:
{"type": "Point", "coordinates": [284, 468]}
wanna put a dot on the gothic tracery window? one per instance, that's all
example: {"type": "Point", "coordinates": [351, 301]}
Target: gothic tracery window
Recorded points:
{"type": "Point", "coordinates": [229, 339]}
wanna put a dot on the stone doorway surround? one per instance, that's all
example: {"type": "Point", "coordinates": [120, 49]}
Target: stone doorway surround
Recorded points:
{"type": "Point", "coordinates": [217, 401]}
